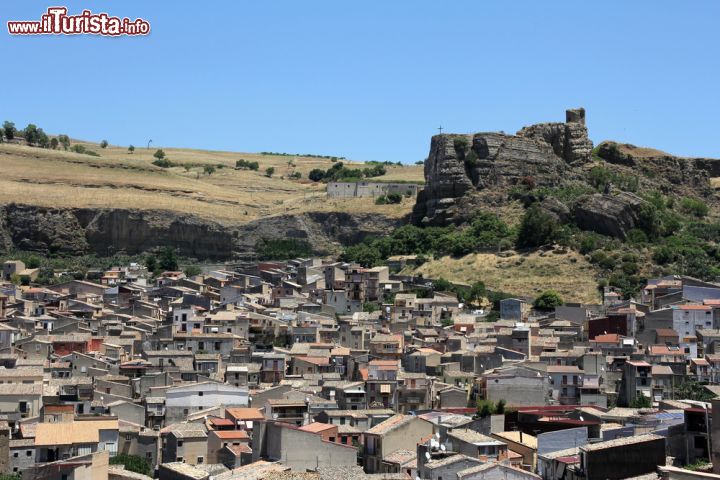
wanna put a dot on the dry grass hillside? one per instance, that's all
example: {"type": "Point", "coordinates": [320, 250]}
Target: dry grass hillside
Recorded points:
{"type": "Point", "coordinates": [524, 274]}
{"type": "Point", "coordinates": [118, 179]}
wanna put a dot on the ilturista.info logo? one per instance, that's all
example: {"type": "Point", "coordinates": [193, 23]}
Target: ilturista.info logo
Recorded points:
{"type": "Point", "coordinates": [56, 21]}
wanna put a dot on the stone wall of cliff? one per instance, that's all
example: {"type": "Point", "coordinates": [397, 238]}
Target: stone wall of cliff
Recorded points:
{"type": "Point", "coordinates": [108, 231]}
{"type": "Point", "coordinates": [459, 165]}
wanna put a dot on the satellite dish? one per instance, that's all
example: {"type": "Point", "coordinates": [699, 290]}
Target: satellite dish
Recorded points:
{"type": "Point", "coordinates": [437, 435]}
{"type": "Point", "coordinates": [442, 447]}
{"type": "Point", "coordinates": [427, 455]}
{"type": "Point", "coordinates": [581, 418]}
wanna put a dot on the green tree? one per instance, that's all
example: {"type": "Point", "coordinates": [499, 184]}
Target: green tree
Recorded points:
{"type": "Point", "coordinates": [43, 140]}
{"type": "Point", "coordinates": [485, 408]}
{"type": "Point", "coordinates": [209, 169]}
{"type": "Point", "coordinates": [500, 406]}
{"type": "Point", "coordinates": [537, 228]}
{"type": "Point", "coordinates": [133, 463]}
{"type": "Point", "coordinates": [168, 259]}
{"type": "Point", "coordinates": [477, 292]}
{"type": "Point", "coordinates": [692, 390]}
{"type": "Point", "coordinates": [442, 285]}
{"type": "Point", "coordinates": [151, 263]}
{"type": "Point", "coordinates": [370, 307]}
{"type": "Point", "coordinates": [316, 174]}
{"type": "Point", "coordinates": [54, 143]}
{"type": "Point", "coordinates": [9, 129]}
{"type": "Point", "coordinates": [104, 144]}
{"type": "Point", "coordinates": [547, 300]}
{"type": "Point", "coordinates": [64, 141]}
{"type": "Point", "coordinates": [366, 255]}
{"type": "Point", "coordinates": [33, 261]}
{"type": "Point", "coordinates": [640, 401]}
{"type": "Point", "coordinates": [159, 154]}
{"type": "Point", "coordinates": [131, 148]}
{"type": "Point", "coordinates": [192, 270]}
{"type": "Point", "coordinates": [30, 134]}
{"type": "Point", "coordinates": [269, 171]}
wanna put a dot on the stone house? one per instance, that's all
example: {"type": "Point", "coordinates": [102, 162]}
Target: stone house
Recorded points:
{"type": "Point", "coordinates": [298, 449]}
{"type": "Point", "coordinates": [185, 399]}
{"type": "Point", "coordinates": [396, 433]}
{"type": "Point", "coordinates": [184, 442]}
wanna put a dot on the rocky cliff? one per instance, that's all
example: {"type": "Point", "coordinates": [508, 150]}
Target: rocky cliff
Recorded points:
{"type": "Point", "coordinates": [460, 165]}
{"type": "Point", "coordinates": [107, 231]}
{"type": "Point", "coordinates": [467, 172]}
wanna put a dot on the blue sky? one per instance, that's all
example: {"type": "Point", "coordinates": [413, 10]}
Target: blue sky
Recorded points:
{"type": "Point", "coordinates": [372, 79]}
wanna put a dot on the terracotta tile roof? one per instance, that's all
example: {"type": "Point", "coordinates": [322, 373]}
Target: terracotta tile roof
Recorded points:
{"type": "Point", "coordinates": [68, 433]}
{"type": "Point", "coordinates": [390, 424]}
{"type": "Point", "coordinates": [244, 413]}
{"type": "Point", "coordinates": [607, 338]}
{"type": "Point", "coordinates": [691, 307]}
{"type": "Point", "coordinates": [231, 434]}
{"type": "Point", "coordinates": [317, 427]}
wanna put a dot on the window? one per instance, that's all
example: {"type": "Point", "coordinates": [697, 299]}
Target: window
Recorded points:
{"type": "Point", "coordinates": [180, 459]}
{"type": "Point", "coordinates": [201, 393]}
{"type": "Point", "coordinates": [179, 443]}
{"type": "Point", "coordinates": [200, 460]}
{"type": "Point", "coordinates": [15, 454]}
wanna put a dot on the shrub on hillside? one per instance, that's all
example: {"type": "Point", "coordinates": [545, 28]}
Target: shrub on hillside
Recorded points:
{"type": "Point", "coordinates": [693, 206]}
{"type": "Point", "coordinates": [243, 164]}
{"type": "Point", "coordinates": [162, 163]}
{"type": "Point", "coordinates": [282, 248]}
{"type": "Point", "coordinates": [9, 130]}
{"type": "Point", "coordinates": [537, 228]}
{"type": "Point", "coordinates": [547, 300]}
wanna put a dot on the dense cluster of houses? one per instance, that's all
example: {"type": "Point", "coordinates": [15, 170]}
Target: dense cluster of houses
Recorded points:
{"type": "Point", "coordinates": [324, 370]}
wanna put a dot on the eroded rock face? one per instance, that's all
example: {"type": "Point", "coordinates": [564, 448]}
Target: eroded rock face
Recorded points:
{"type": "Point", "coordinates": [608, 214]}
{"type": "Point", "coordinates": [108, 231]}
{"type": "Point", "coordinates": [460, 165]}
{"type": "Point", "coordinates": [568, 140]}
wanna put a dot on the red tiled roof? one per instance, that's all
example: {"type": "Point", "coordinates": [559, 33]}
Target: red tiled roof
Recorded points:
{"type": "Point", "coordinates": [240, 413]}
{"type": "Point", "coordinates": [317, 427]}
{"type": "Point", "coordinates": [231, 434]}
{"type": "Point", "coordinates": [607, 338]}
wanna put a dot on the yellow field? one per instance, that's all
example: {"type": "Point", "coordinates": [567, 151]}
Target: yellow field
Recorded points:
{"type": "Point", "coordinates": [117, 179]}
{"type": "Point", "coordinates": [529, 274]}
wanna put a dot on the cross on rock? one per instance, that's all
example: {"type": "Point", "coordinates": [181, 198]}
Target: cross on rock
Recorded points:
{"type": "Point", "coordinates": [440, 129]}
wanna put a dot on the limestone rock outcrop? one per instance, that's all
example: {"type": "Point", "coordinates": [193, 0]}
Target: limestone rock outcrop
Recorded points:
{"type": "Point", "coordinates": [105, 231]}
{"type": "Point", "coordinates": [568, 140]}
{"type": "Point", "coordinates": [608, 214]}
{"type": "Point", "coordinates": [460, 165]}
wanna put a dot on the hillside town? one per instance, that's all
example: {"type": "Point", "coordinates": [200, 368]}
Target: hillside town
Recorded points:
{"type": "Point", "coordinates": [315, 369]}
